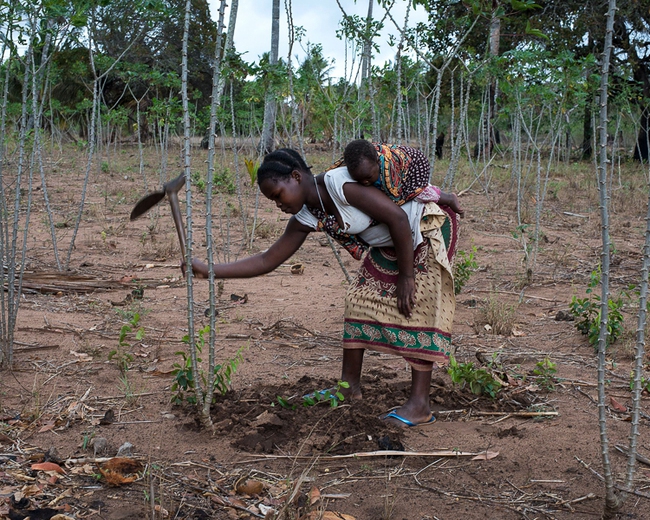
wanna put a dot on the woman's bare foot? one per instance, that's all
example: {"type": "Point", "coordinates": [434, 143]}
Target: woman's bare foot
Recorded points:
{"type": "Point", "coordinates": [352, 392]}
{"type": "Point", "coordinates": [406, 417]}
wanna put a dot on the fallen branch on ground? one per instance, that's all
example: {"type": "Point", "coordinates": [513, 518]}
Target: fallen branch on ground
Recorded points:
{"type": "Point", "coordinates": [482, 455]}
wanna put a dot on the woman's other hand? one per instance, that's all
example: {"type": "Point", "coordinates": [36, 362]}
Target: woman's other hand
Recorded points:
{"type": "Point", "coordinates": [405, 295]}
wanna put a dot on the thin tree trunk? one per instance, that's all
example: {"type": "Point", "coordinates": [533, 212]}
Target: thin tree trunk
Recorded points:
{"type": "Point", "coordinates": [10, 242]}
{"type": "Point", "coordinates": [587, 129]}
{"type": "Point", "coordinates": [217, 81]}
{"type": "Point", "coordinates": [202, 394]}
{"type": "Point", "coordinates": [612, 502]}
{"type": "Point", "coordinates": [270, 106]}
{"type": "Point", "coordinates": [639, 357]}
{"type": "Point", "coordinates": [138, 129]}
{"type": "Point", "coordinates": [240, 198]}
{"type": "Point", "coordinates": [93, 124]}
{"type": "Point", "coordinates": [6, 336]}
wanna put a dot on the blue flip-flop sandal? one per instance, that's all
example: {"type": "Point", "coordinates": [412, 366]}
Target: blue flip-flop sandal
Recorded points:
{"type": "Point", "coordinates": [393, 415]}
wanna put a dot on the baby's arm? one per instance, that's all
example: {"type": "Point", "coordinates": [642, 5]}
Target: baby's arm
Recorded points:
{"type": "Point", "coordinates": [434, 194]}
{"type": "Point", "coordinates": [451, 200]}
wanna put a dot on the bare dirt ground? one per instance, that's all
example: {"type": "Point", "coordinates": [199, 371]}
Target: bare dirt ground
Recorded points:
{"type": "Point", "coordinates": [63, 391]}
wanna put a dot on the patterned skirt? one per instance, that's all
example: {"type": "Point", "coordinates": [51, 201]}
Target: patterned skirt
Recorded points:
{"type": "Point", "coordinates": [372, 319]}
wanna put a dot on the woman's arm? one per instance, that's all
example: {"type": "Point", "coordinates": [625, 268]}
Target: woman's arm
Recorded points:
{"type": "Point", "coordinates": [376, 204]}
{"type": "Point", "coordinates": [293, 237]}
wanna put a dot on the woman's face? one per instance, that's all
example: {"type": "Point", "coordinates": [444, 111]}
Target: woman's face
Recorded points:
{"type": "Point", "coordinates": [367, 173]}
{"type": "Point", "coordinates": [287, 194]}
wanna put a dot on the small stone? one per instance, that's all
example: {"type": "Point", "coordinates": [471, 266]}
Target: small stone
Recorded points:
{"type": "Point", "coordinates": [99, 445]}
{"type": "Point", "coordinates": [125, 450]}
{"type": "Point", "coordinates": [52, 455]}
{"type": "Point", "coordinates": [266, 418]}
{"type": "Point", "coordinates": [564, 316]}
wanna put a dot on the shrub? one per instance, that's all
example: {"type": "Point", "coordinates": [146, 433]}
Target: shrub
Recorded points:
{"type": "Point", "coordinates": [479, 380]}
{"type": "Point", "coordinates": [587, 312]}
{"type": "Point", "coordinates": [464, 266]}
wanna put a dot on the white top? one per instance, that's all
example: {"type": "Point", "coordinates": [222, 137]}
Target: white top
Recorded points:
{"type": "Point", "coordinates": [355, 222]}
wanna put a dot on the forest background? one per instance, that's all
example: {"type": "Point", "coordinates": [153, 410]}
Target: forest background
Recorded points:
{"type": "Point", "coordinates": [534, 87]}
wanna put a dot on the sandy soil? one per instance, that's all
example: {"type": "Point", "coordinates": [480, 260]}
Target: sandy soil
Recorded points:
{"type": "Point", "coordinates": [65, 392]}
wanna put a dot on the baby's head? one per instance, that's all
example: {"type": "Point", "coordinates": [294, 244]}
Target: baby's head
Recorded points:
{"type": "Point", "coordinates": [362, 160]}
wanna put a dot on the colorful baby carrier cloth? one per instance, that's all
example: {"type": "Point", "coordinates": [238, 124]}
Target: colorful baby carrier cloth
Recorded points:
{"type": "Point", "coordinates": [404, 176]}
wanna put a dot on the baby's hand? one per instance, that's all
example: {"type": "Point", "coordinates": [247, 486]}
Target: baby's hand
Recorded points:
{"type": "Point", "coordinates": [455, 205]}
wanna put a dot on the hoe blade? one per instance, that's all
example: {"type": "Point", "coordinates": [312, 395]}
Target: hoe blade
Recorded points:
{"type": "Point", "coordinates": [146, 203]}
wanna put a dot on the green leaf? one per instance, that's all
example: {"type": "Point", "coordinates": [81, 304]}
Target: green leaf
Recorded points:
{"type": "Point", "coordinates": [535, 32]}
{"type": "Point", "coordinates": [79, 20]}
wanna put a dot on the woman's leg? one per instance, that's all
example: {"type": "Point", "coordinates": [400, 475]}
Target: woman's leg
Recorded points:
{"type": "Point", "coordinates": [351, 372]}
{"type": "Point", "coordinates": [417, 408]}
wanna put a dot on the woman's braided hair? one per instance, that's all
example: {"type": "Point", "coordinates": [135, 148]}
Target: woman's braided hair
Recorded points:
{"type": "Point", "coordinates": [357, 150]}
{"type": "Point", "coordinates": [279, 165]}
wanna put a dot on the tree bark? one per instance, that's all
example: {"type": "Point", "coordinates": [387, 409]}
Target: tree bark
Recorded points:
{"type": "Point", "coordinates": [612, 502]}
{"type": "Point", "coordinates": [492, 134]}
{"type": "Point", "coordinates": [270, 106]}
{"type": "Point", "coordinates": [367, 48]}
{"type": "Point", "coordinates": [641, 148]}
{"type": "Point", "coordinates": [587, 130]}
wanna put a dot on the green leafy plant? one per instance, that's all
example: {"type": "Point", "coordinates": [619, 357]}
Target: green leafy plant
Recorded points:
{"type": "Point", "coordinates": [645, 383]}
{"type": "Point", "coordinates": [121, 355]}
{"type": "Point", "coordinates": [479, 380]}
{"type": "Point", "coordinates": [587, 312]}
{"type": "Point", "coordinates": [545, 371]}
{"type": "Point", "coordinates": [333, 396]}
{"type": "Point", "coordinates": [184, 384]}
{"type": "Point", "coordinates": [221, 181]}
{"type": "Point", "coordinates": [224, 182]}
{"type": "Point", "coordinates": [127, 388]}
{"type": "Point", "coordinates": [284, 403]}
{"type": "Point", "coordinates": [464, 265]}
{"type": "Point", "coordinates": [198, 181]}
{"type": "Point", "coordinates": [86, 440]}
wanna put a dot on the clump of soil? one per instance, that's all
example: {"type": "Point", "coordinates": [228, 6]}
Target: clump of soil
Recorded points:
{"type": "Point", "coordinates": [255, 421]}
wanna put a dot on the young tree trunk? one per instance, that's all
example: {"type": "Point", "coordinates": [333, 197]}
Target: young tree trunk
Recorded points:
{"type": "Point", "coordinates": [639, 357]}
{"type": "Point", "coordinates": [587, 130]}
{"type": "Point", "coordinates": [10, 220]}
{"type": "Point", "coordinates": [400, 107]}
{"type": "Point", "coordinates": [270, 106]}
{"type": "Point", "coordinates": [217, 82]}
{"type": "Point", "coordinates": [40, 80]}
{"type": "Point", "coordinates": [6, 335]}
{"type": "Point", "coordinates": [612, 502]}
{"type": "Point", "coordinates": [295, 126]}
{"type": "Point", "coordinates": [93, 122]}
{"type": "Point", "coordinates": [202, 394]}
{"type": "Point", "coordinates": [240, 197]}
{"type": "Point", "coordinates": [138, 129]}
{"type": "Point", "coordinates": [491, 134]}
{"type": "Point", "coordinates": [641, 147]}
{"type": "Point", "coordinates": [366, 57]}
